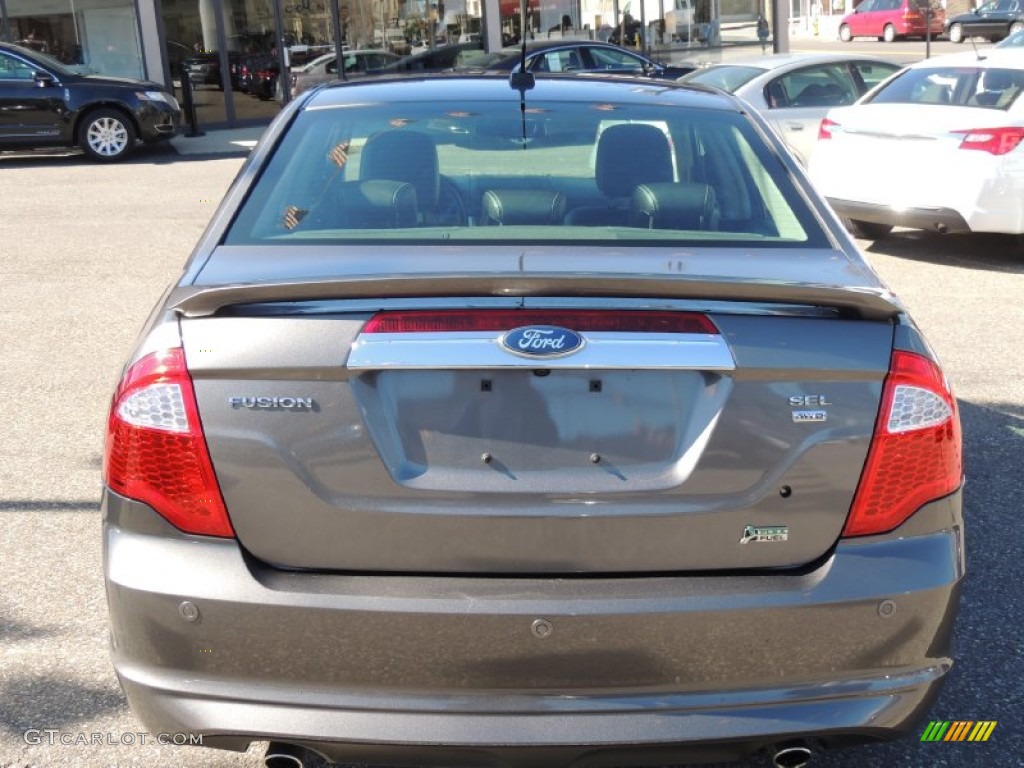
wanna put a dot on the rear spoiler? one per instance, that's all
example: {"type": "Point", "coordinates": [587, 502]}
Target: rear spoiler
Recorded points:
{"type": "Point", "coordinates": [850, 301]}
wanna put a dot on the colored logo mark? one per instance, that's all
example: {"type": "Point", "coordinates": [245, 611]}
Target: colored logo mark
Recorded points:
{"type": "Point", "coordinates": [958, 730]}
{"type": "Point", "coordinates": [542, 341]}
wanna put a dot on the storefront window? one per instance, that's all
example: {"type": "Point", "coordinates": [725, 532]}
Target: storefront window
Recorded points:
{"type": "Point", "coordinates": [190, 29]}
{"type": "Point", "coordinates": [95, 36]}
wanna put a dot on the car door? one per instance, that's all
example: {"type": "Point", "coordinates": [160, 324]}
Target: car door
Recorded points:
{"type": "Point", "coordinates": [860, 20]}
{"type": "Point", "coordinates": [799, 99]}
{"type": "Point", "coordinates": [993, 19]}
{"type": "Point", "coordinates": [30, 110]}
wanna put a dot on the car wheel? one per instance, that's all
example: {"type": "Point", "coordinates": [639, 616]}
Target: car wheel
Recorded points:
{"type": "Point", "coordinates": [866, 230]}
{"type": "Point", "coordinates": [1016, 27]}
{"type": "Point", "coordinates": [844, 33]}
{"type": "Point", "coordinates": [889, 33]}
{"type": "Point", "coordinates": [956, 34]}
{"type": "Point", "coordinates": [106, 135]}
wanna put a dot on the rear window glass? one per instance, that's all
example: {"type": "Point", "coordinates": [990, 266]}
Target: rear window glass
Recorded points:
{"type": "Point", "coordinates": [559, 172]}
{"type": "Point", "coordinates": [987, 87]}
{"type": "Point", "coordinates": [728, 77]}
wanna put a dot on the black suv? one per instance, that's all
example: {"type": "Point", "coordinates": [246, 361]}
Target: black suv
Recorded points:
{"type": "Point", "coordinates": [44, 104]}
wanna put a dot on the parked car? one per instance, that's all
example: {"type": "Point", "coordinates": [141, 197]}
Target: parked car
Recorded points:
{"type": "Point", "coordinates": [325, 68]}
{"type": "Point", "coordinates": [45, 104]}
{"type": "Point", "coordinates": [577, 56]}
{"type": "Point", "coordinates": [248, 66]}
{"type": "Point", "coordinates": [993, 20]}
{"type": "Point", "coordinates": [265, 78]}
{"type": "Point", "coordinates": [506, 444]}
{"type": "Point", "coordinates": [937, 147]}
{"type": "Point", "coordinates": [891, 20]}
{"type": "Point", "coordinates": [204, 69]}
{"type": "Point", "coordinates": [1016, 40]}
{"type": "Point", "coordinates": [438, 59]}
{"type": "Point", "coordinates": [795, 91]}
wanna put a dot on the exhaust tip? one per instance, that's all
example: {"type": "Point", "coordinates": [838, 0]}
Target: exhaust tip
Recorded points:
{"type": "Point", "coordinates": [284, 756]}
{"type": "Point", "coordinates": [792, 756]}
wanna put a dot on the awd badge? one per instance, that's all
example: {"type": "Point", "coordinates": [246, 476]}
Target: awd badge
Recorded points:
{"type": "Point", "coordinates": [765, 533]}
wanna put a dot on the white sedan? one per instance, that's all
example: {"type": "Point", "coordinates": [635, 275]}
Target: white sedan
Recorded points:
{"type": "Point", "coordinates": [795, 91]}
{"type": "Point", "coordinates": [939, 147]}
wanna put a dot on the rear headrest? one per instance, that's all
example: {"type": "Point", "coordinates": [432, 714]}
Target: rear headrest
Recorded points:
{"type": "Point", "coordinates": [997, 80]}
{"type": "Point", "coordinates": [403, 155]}
{"type": "Point", "coordinates": [630, 154]}
{"type": "Point", "coordinates": [687, 205]}
{"type": "Point", "coordinates": [376, 204]}
{"type": "Point", "coordinates": [522, 206]}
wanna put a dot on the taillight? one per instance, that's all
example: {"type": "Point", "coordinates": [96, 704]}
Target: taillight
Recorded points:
{"type": "Point", "coordinates": [995, 141]}
{"type": "Point", "coordinates": [503, 320]}
{"type": "Point", "coordinates": [155, 450]}
{"type": "Point", "coordinates": [914, 456]}
{"type": "Point", "coordinates": [825, 129]}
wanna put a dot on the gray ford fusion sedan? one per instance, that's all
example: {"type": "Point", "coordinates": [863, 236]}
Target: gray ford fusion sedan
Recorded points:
{"type": "Point", "coordinates": [547, 423]}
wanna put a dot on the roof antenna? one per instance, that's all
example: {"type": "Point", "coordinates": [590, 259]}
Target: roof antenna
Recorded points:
{"type": "Point", "coordinates": [975, 47]}
{"type": "Point", "coordinates": [522, 80]}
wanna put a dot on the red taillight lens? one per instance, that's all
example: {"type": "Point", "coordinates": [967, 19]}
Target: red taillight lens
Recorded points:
{"type": "Point", "coordinates": [507, 319]}
{"type": "Point", "coordinates": [825, 129]}
{"type": "Point", "coordinates": [156, 452]}
{"type": "Point", "coordinates": [915, 452]}
{"type": "Point", "coordinates": [995, 141]}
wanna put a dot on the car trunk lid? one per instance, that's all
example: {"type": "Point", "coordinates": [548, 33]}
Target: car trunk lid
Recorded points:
{"type": "Point", "coordinates": [358, 434]}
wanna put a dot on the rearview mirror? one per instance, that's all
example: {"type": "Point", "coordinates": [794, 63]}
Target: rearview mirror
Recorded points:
{"type": "Point", "coordinates": [42, 79]}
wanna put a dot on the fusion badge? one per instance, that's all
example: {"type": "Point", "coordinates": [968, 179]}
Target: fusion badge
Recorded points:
{"type": "Point", "coordinates": [542, 341]}
{"type": "Point", "coordinates": [765, 533]}
{"type": "Point", "coordinates": [263, 403]}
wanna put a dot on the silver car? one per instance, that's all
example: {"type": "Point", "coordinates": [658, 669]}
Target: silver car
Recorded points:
{"type": "Point", "coordinates": [467, 437]}
{"type": "Point", "coordinates": [795, 91]}
{"type": "Point", "coordinates": [324, 69]}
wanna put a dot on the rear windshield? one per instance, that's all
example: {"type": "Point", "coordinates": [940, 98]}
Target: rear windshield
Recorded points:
{"type": "Point", "coordinates": [968, 86]}
{"type": "Point", "coordinates": [487, 172]}
{"type": "Point", "coordinates": [728, 77]}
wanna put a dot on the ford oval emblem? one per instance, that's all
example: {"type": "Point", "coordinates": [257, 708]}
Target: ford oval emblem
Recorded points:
{"type": "Point", "coordinates": [542, 341]}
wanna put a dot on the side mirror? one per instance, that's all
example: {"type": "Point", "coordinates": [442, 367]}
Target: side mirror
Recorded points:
{"type": "Point", "coordinates": [42, 79]}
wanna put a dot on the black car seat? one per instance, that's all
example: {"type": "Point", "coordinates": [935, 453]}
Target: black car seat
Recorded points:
{"type": "Point", "coordinates": [996, 83]}
{"type": "Point", "coordinates": [405, 156]}
{"type": "Point", "coordinates": [628, 155]}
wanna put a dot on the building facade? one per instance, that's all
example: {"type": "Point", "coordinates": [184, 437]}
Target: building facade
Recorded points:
{"type": "Point", "coordinates": [232, 51]}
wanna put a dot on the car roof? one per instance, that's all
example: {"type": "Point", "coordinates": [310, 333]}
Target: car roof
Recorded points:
{"type": "Point", "coordinates": [508, 58]}
{"type": "Point", "coordinates": [594, 88]}
{"type": "Point", "coordinates": [1005, 58]}
{"type": "Point", "coordinates": [534, 46]}
{"type": "Point", "coordinates": [782, 60]}
{"type": "Point", "coordinates": [1016, 40]}
{"type": "Point", "coordinates": [441, 49]}
{"type": "Point", "coordinates": [14, 48]}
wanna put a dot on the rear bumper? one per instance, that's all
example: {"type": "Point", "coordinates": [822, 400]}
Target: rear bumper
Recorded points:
{"type": "Point", "coordinates": [942, 220]}
{"type": "Point", "coordinates": [438, 670]}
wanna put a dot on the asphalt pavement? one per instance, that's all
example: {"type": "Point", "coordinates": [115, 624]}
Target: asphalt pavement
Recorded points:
{"type": "Point", "coordinates": [87, 249]}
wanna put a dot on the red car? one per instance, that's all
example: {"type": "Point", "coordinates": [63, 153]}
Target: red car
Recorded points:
{"type": "Point", "coordinates": [891, 20]}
